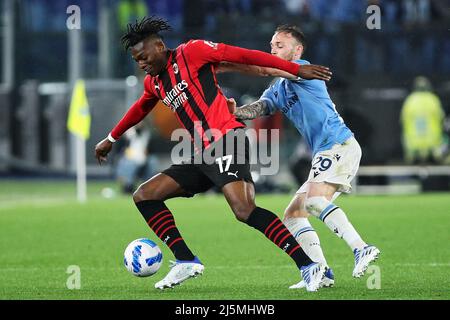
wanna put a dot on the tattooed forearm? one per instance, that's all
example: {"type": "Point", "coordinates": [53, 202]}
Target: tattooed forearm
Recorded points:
{"type": "Point", "coordinates": [252, 110]}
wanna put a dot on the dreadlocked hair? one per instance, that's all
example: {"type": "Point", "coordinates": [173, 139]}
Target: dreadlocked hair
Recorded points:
{"type": "Point", "coordinates": [140, 30]}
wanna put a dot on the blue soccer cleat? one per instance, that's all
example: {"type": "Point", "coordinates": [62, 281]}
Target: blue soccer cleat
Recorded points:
{"type": "Point", "coordinates": [363, 257]}
{"type": "Point", "coordinates": [313, 276]}
{"type": "Point", "coordinates": [327, 282]}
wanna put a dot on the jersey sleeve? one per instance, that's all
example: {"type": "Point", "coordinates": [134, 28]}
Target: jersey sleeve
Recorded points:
{"type": "Point", "coordinates": [137, 111]}
{"type": "Point", "coordinates": [201, 52]}
{"type": "Point", "coordinates": [258, 58]}
{"type": "Point", "coordinates": [269, 97]}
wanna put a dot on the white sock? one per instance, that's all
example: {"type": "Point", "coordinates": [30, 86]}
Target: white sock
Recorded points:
{"type": "Point", "coordinates": [307, 237]}
{"type": "Point", "coordinates": [337, 221]}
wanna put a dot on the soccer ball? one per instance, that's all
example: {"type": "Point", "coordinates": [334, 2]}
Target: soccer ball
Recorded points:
{"type": "Point", "coordinates": [142, 257]}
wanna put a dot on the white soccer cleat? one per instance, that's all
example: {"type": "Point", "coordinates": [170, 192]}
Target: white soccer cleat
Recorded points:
{"type": "Point", "coordinates": [179, 272]}
{"type": "Point", "coordinates": [313, 275]}
{"type": "Point", "coordinates": [363, 258]}
{"type": "Point", "coordinates": [327, 282]}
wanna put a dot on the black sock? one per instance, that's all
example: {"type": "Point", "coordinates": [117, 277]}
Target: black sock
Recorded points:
{"type": "Point", "coordinates": [161, 221]}
{"type": "Point", "coordinates": [272, 227]}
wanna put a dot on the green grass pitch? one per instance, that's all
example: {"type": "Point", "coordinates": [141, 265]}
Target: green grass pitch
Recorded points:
{"type": "Point", "coordinates": [43, 231]}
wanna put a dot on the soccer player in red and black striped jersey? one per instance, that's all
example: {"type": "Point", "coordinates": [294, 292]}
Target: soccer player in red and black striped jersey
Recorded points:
{"type": "Point", "coordinates": [184, 80]}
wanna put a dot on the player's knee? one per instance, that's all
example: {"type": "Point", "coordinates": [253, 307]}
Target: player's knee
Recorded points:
{"type": "Point", "coordinates": [315, 205]}
{"type": "Point", "coordinates": [242, 211]}
{"type": "Point", "coordinates": [148, 192]}
{"type": "Point", "coordinates": [138, 195]}
{"type": "Point", "coordinates": [295, 213]}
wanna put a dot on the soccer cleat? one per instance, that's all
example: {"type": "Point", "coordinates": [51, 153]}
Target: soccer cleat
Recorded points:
{"type": "Point", "coordinates": [363, 258]}
{"type": "Point", "coordinates": [313, 275]}
{"type": "Point", "coordinates": [327, 282]}
{"type": "Point", "coordinates": [180, 271]}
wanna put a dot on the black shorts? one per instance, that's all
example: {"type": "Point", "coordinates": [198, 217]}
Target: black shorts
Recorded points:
{"type": "Point", "coordinates": [225, 161]}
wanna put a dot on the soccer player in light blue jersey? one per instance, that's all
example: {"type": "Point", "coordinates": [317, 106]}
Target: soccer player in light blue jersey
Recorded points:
{"type": "Point", "coordinates": [336, 153]}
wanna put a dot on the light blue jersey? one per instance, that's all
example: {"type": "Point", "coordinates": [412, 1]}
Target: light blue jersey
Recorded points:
{"type": "Point", "coordinates": [307, 104]}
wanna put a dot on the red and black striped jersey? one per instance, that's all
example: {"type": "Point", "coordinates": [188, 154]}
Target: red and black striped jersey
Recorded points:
{"type": "Point", "coordinates": [188, 85]}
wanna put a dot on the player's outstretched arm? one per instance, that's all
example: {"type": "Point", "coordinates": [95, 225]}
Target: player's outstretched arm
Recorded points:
{"type": "Point", "coordinates": [252, 110]}
{"type": "Point", "coordinates": [263, 59]}
{"type": "Point", "coordinates": [133, 116]}
{"type": "Point", "coordinates": [253, 70]}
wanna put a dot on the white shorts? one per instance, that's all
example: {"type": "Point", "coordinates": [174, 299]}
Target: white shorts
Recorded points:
{"type": "Point", "coordinates": [337, 165]}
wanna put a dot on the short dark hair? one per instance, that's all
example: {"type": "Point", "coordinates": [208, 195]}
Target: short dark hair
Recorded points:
{"type": "Point", "coordinates": [294, 31]}
{"type": "Point", "coordinates": [140, 30]}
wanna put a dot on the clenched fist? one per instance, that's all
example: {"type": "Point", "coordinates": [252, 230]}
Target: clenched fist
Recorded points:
{"type": "Point", "coordinates": [102, 149]}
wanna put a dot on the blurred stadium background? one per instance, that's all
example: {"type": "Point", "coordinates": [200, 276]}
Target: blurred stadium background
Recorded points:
{"type": "Point", "coordinates": [374, 73]}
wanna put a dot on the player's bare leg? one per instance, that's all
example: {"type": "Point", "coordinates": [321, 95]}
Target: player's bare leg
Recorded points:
{"type": "Point", "coordinates": [318, 202]}
{"type": "Point", "coordinates": [240, 195]}
{"type": "Point", "coordinates": [159, 187]}
{"type": "Point", "coordinates": [149, 198]}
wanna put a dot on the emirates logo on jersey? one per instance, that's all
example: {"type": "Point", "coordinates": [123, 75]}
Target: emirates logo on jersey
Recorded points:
{"type": "Point", "coordinates": [176, 97]}
{"type": "Point", "coordinates": [175, 68]}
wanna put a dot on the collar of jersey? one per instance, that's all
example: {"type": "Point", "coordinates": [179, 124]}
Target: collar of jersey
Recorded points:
{"type": "Point", "coordinates": [169, 54]}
